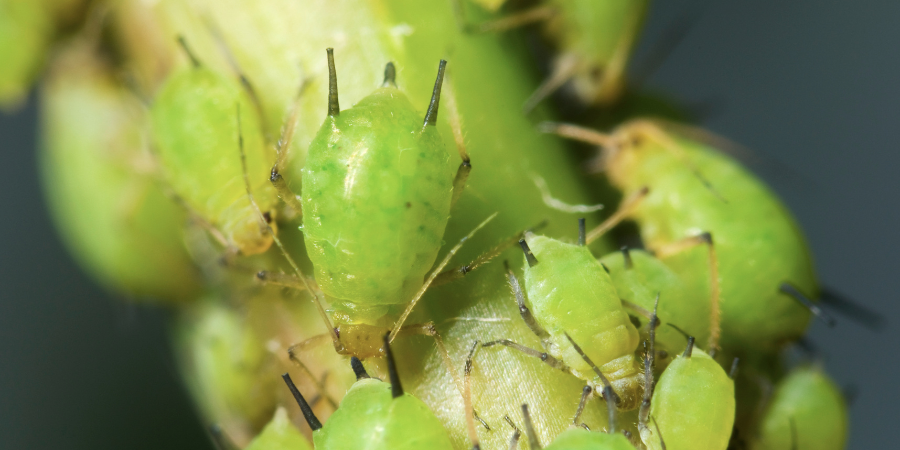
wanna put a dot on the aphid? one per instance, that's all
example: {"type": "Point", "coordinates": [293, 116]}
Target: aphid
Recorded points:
{"type": "Point", "coordinates": [279, 433]}
{"type": "Point", "coordinates": [574, 300]}
{"type": "Point", "coordinates": [593, 40]}
{"type": "Point", "coordinates": [692, 406]}
{"type": "Point", "coordinates": [375, 415]}
{"type": "Point", "coordinates": [806, 412]}
{"type": "Point", "coordinates": [579, 438]}
{"type": "Point", "coordinates": [377, 190]}
{"type": "Point", "coordinates": [195, 131]}
{"type": "Point", "coordinates": [700, 196]}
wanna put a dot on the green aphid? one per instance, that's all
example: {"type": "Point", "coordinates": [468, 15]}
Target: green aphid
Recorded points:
{"type": "Point", "coordinates": [638, 277]}
{"type": "Point", "coordinates": [572, 299]}
{"type": "Point", "coordinates": [195, 118]}
{"type": "Point", "coordinates": [593, 42]}
{"type": "Point", "coordinates": [806, 412]}
{"type": "Point", "coordinates": [692, 405]}
{"type": "Point", "coordinates": [375, 415]}
{"type": "Point", "coordinates": [100, 184]}
{"type": "Point", "coordinates": [700, 197]}
{"type": "Point", "coordinates": [279, 434]}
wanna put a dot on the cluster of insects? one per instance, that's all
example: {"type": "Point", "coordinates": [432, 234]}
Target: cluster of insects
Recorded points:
{"type": "Point", "coordinates": [668, 336]}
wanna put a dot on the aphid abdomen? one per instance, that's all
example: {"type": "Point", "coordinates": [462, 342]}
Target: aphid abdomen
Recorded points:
{"type": "Point", "coordinates": [376, 199]}
{"type": "Point", "coordinates": [195, 125]}
{"type": "Point", "coordinates": [758, 243]}
{"type": "Point", "coordinates": [571, 293]}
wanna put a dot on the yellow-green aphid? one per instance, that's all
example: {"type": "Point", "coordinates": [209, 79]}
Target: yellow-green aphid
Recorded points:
{"type": "Point", "coordinates": [806, 412]}
{"type": "Point", "coordinates": [375, 415]}
{"type": "Point", "coordinates": [99, 182]}
{"type": "Point", "coordinates": [694, 188]}
{"type": "Point", "coordinates": [692, 405]}
{"type": "Point", "coordinates": [377, 188]}
{"type": "Point", "coordinates": [577, 438]}
{"type": "Point", "coordinates": [279, 434]}
{"type": "Point", "coordinates": [573, 300]}
{"type": "Point", "coordinates": [638, 277]}
{"type": "Point", "coordinates": [196, 117]}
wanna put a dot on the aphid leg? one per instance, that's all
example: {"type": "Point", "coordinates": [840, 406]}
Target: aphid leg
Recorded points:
{"type": "Point", "coordinates": [323, 380]}
{"type": "Point", "coordinates": [434, 274]}
{"type": "Point", "coordinates": [230, 250]}
{"type": "Point", "coordinates": [319, 386]}
{"type": "Point", "coordinates": [649, 360]}
{"type": "Point", "coordinates": [665, 251]}
{"type": "Point", "coordinates": [792, 291]}
{"type": "Point", "coordinates": [308, 414]}
{"type": "Point", "coordinates": [533, 442]}
{"type": "Point", "coordinates": [182, 42]}
{"type": "Point", "coordinates": [610, 409]}
{"type": "Point", "coordinates": [662, 443]}
{"type": "Point", "coordinates": [263, 222]}
{"type": "Point", "coordinates": [543, 356]}
{"type": "Point", "coordinates": [465, 167]}
{"type": "Point", "coordinates": [585, 395]}
{"type": "Point", "coordinates": [220, 439]}
{"type": "Point", "coordinates": [527, 317]}
{"type": "Point", "coordinates": [626, 208]}
{"type": "Point", "coordinates": [514, 440]}
{"type": "Point", "coordinates": [608, 393]}
{"type": "Point", "coordinates": [467, 398]}
{"type": "Point", "coordinates": [643, 312]}
{"type": "Point", "coordinates": [564, 68]}
{"type": "Point", "coordinates": [281, 148]}
{"type": "Point", "coordinates": [519, 19]}
{"type": "Point", "coordinates": [281, 279]}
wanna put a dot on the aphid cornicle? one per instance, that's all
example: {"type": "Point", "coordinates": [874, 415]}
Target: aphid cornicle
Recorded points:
{"type": "Point", "coordinates": [376, 415]}
{"type": "Point", "coordinates": [195, 123]}
{"type": "Point", "coordinates": [807, 411]}
{"type": "Point", "coordinates": [695, 189]}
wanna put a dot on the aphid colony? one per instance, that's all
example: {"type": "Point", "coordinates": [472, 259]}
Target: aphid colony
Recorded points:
{"type": "Point", "coordinates": [658, 338]}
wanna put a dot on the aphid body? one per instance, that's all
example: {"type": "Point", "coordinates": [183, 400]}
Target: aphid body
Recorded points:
{"type": "Point", "coordinates": [693, 405]}
{"type": "Point", "coordinates": [581, 439]}
{"type": "Point", "coordinates": [571, 293]}
{"type": "Point", "coordinates": [195, 122]}
{"type": "Point", "coordinates": [807, 411]}
{"type": "Point", "coordinates": [377, 188]}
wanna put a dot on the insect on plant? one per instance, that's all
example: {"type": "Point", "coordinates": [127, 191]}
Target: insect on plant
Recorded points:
{"type": "Point", "coordinates": [578, 438]}
{"type": "Point", "coordinates": [375, 415]}
{"type": "Point", "coordinates": [699, 196]}
{"type": "Point", "coordinates": [594, 40]}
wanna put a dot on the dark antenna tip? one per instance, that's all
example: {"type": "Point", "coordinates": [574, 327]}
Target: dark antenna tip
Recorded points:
{"type": "Point", "coordinates": [532, 261]}
{"type": "Point", "coordinates": [582, 233]}
{"type": "Point", "coordinates": [690, 347]}
{"type": "Point", "coordinates": [390, 75]}
{"type": "Point", "coordinates": [334, 108]}
{"type": "Point", "coordinates": [396, 387]}
{"type": "Point", "coordinates": [187, 50]}
{"type": "Point", "coordinates": [791, 290]}
{"type": "Point", "coordinates": [311, 418]}
{"type": "Point", "coordinates": [626, 253]}
{"type": "Point", "coordinates": [358, 368]}
{"type": "Point", "coordinates": [734, 368]}
{"type": "Point", "coordinates": [431, 114]}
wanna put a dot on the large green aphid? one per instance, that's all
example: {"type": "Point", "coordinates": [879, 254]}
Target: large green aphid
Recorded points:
{"type": "Point", "coordinates": [375, 415]}
{"type": "Point", "coordinates": [200, 117]}
{"type": "Point", "coordinates": [692, 405]}
{"type": "Point", "coordinates": [100, 184]}
{"type": "Point", "coordinates": [574, 300]}
{"type": "Point", "coordinates": [806, 412]}
{"type": "Point", "coordinates": [695, 188]}
{"type": "Point", "coordinates": [593, 41]}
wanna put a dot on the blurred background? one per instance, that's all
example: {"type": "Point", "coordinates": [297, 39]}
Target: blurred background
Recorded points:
{"type": "Point", "coordinates": [810, 86]}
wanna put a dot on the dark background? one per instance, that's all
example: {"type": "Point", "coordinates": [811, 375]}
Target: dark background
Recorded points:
{"type": "Point", "coordinates": [812, 85]}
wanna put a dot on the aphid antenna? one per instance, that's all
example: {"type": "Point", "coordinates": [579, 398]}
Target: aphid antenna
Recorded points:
{"type": "Point", "coordinates": [532, 261]}
{"type": "Point", "coordinates": [220, 439]}
{"type": "Point", "coordinates": [390, 75]}
{"type": "Point", "coordinates": [263, 222]}
{"type": "Point", "coordinates": [791, 290]}
{"type": "Point", "coordinates": [533, 442]}
{"type": "Point", "coordinates": [182, 42]}
{"type": "Point", "coordinates": [734, 368]}
{"type": "Point", "coordinates": [690, 347]}
{"type": "Point", "coordinates": [307, 411]}
{"type": "Point", "coordinates": [431, 114]}
{"type": "Point", "coordinates": [334, 107]}
{"type": "Point", "coordinates": [662, 442]}
{"type": "Point", "coordinates": [514, 440]}
{"type": "Point", "coordinates": [582, 232]}
{"type": "Point", "coordinates": [649, 363]}
{"type": "Point", "coordinates": [585, 395]}
{"type": "Point", "coordinates": [853, 310]}
{"type": "Point", "coordinates": [625, 209]}
{"type": "Point", "coordinates": [358, 369]}
{"type": "Point", "coordinates": [626, 255]}
{"type": "Point", "coordinates": [610, 396]}
{"type": "Point", "coordinates": [678, 329]}
{"type": "Point", "coordinates": [396, 387]}
{"type": "Point", "coordinates": [440, 267]}
{"type": "Point", "coordinates": [467, 398]}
